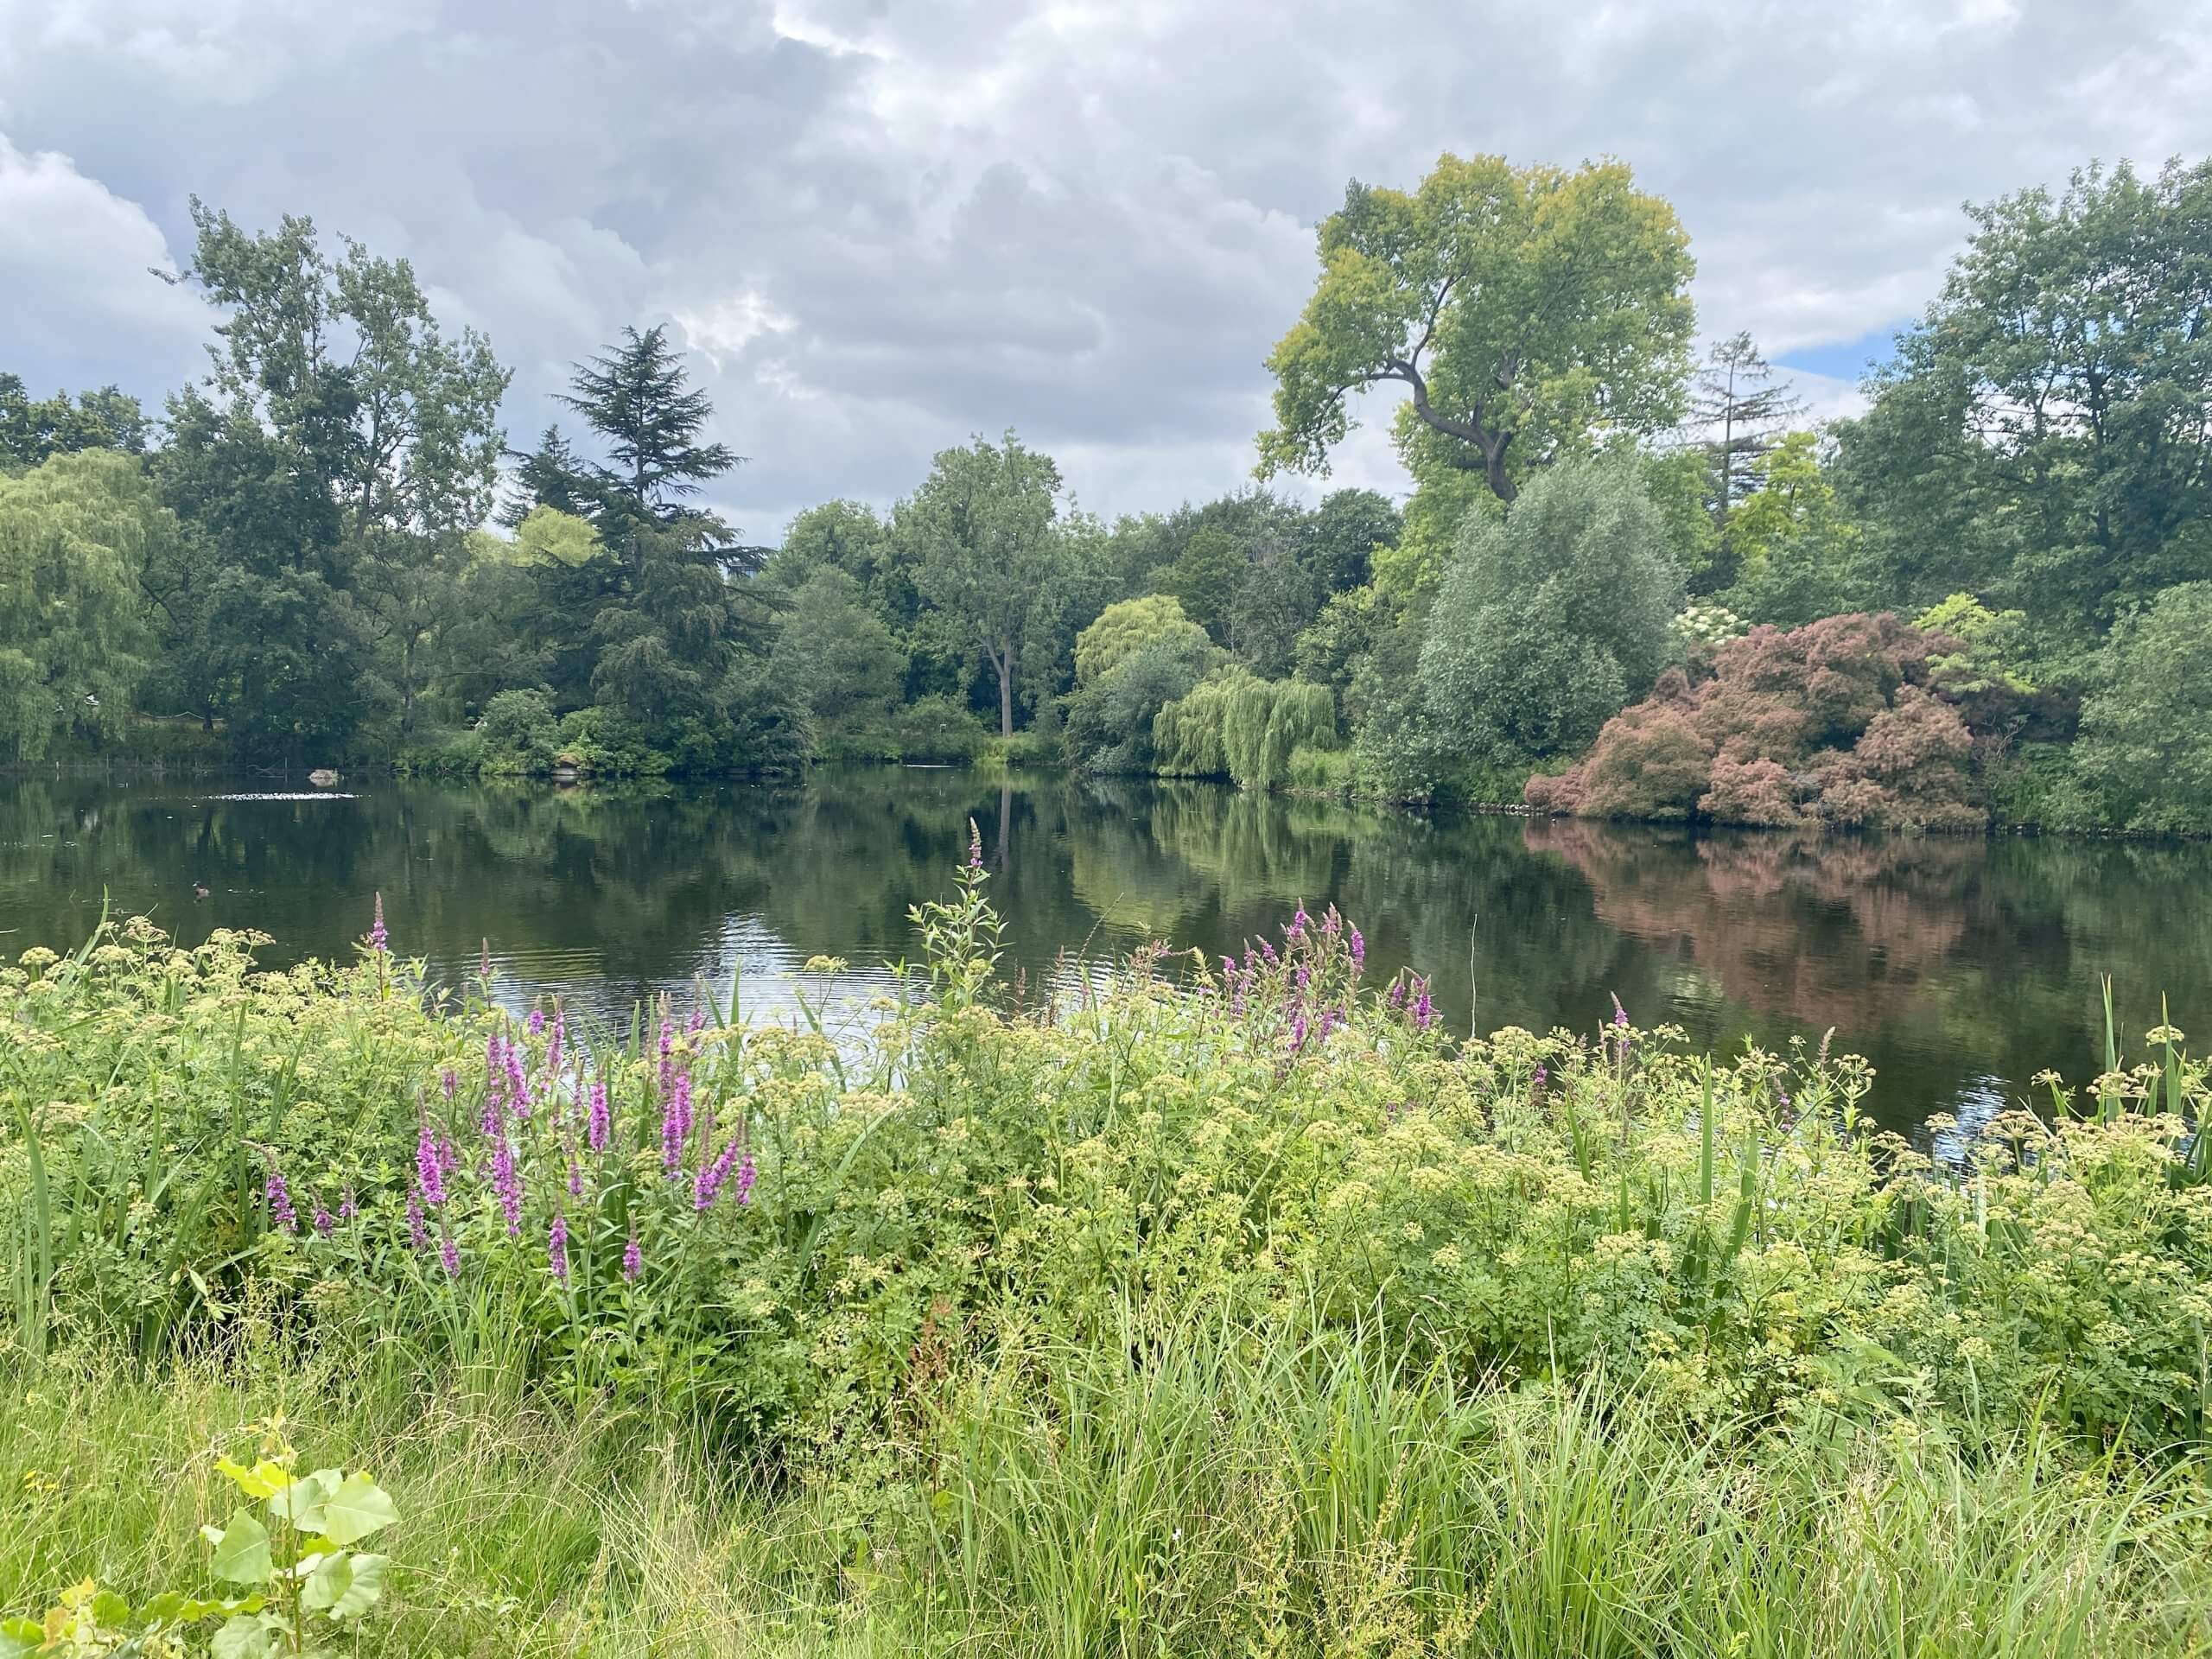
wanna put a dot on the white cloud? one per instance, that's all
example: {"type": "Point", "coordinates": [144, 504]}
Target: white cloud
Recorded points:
{"type": "Point", "coordinates": [884, 225]}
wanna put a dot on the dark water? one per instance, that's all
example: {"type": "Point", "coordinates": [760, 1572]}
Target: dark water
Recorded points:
{"type": "Point", "coordinates": [1959, 967]}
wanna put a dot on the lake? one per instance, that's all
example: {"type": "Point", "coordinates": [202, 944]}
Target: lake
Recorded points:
{"type": "Point", "coordinates": [1961, 967]}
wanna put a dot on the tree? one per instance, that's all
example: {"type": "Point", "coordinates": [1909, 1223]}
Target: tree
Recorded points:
{"type": "Point", "coordinates": [29, 432]}
{"type": "Point", "coordinates": [634, 396]}
{"type": "Point", "coordinates": [833, 653]}
{"type": "Point", "coordinates": [1206, 577]}
{"type": "Point", "coordinates": [2045, 428]}
{"type": "Point", "coordinates": [1111, 719]}
{"type": "Point", "coordinates": [1525, 311]}
{"type": "Point", "coordinates": [2145, 739]}
{"type": "Point", "coordinates": [1127, 626]}
{"type": "Point", "coordinates": [551, 476]}
{"type": "Point", "coordinates": [982, 529]}
{"type": "Point", "coordinates": [73, 633]}
{"type": "Point", "coordinates": [1337, 541]}
{"type": "Point", "coordinates": [1551, 621]}
{"type": "Point", "coordinates": [325, 472]}
{"type": "Point", "coordinates": [1739, 405]}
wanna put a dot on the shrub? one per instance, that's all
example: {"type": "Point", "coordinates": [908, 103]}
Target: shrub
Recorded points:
{"type": "Point", "coordinates": [518, 732]}
{"type": "Point", "coordinates": [1835, 722]}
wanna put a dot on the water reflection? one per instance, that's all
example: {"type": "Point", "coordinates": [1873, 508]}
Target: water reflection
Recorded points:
{"type": "Point", "coordinates": [1960, 968]}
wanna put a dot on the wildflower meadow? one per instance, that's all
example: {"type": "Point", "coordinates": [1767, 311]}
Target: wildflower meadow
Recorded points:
{"type": "Point", "coordinates": [1225, 1306]}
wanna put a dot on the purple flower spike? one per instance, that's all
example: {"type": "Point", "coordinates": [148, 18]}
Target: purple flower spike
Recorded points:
{"type": "Point", "coordinates": [676, 1125]}
{"type": "Point", "coordinates": [1358, 950]}
{"type": "Point", "coordinates": [346, 1208]}
{"type": "Point", "coordinates": [1424, 1010]}
{"type": "Point", "coordinates": [708, 1185]}
{"type": "Point", "coordinates": [430, 1168]}
{"type": "Point", "coordinates": [1397, 998]}
{"type": "Point", "coordinates": [599, 1124]}
{"type": "Point", "coordinates": [575, 1177]}
{"type": "Point", "coordinates": [633, 1259]}
{"type": "Point", "coordinates": [447, 1083]}
{"type": "Point", "coordinates": [323, 1222]}
{"type": "Point", "coordinates": [1297, 927]}
{"type": "Point", "coordinates": [1297, 1033]}
{"type": "Point", "coordinates": [507, 1181]}
{"type": "Point", "coordinates": [378, 937]}
{"type": "Point", "coordinates": [280, 1201]}
{"type": "Point", "coordinates": [449, 1255]}
{"type": "Point", "coordinates": [418, 1231]}
{"type": "Point", "coordinates": [1620, 1016]}
{"type": "Point", "coordinates": [974, 846]}
{"type": "Point", "coordinates": [556, 1247]}
{"type": "Point", "coordinates": [746, 1172]}
{"type": "Point", "coordinates": [536, 1024]}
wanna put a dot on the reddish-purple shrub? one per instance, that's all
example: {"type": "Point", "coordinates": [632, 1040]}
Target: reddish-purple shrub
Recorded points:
{"type": "Point", "coordinates": [1834, 720]}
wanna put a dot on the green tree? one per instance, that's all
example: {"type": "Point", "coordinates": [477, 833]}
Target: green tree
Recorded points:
{"type": "Point", "coordinates": [1551, 620]}
{"type": "Point", "coordinates": [984, 541]}
{"type": "Point", "coordinates": [1796, 549]}
{"type": "Point", "coordinates": [325, 472]}
{"type": "Point", "coordinates": [1337, 541]}
{"type": "Point", "coordinates": [1127, 626]}
{"type": "Point", "coordinates": [31, 431]}
{"type": "Point", "coordinates": [834, 653]}
{"type": "Point", "coordinates": [1206, 578]}
{"type": "Point", "coordinates": [2042, 430]}
{"type": "Point", "coordinates": [551, 476]}
{"type": "Point", "coordinates": [1526, 310]}
{"type": "Point", "coordinates": [2144, 738]}
{"type": "Point", "coordinates": [73, 633]}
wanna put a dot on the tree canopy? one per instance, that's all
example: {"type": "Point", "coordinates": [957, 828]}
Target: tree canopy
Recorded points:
{"type": "Point", "coordinates": [1526, 310]}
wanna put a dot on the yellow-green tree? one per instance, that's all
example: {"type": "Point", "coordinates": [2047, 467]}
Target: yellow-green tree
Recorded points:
{"type": "Point", "coordinates": [1527, 311]}
{"type": "Point", "coordinates": [74, 533]}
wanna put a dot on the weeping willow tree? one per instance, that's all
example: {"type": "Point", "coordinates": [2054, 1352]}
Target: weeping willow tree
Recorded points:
{"type": "Point", "coordinates": [1244, 727]}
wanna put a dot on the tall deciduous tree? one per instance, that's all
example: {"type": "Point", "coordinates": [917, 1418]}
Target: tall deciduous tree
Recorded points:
{"type": "Point", "coordinates": [986, 543]}
{"type": "Point", "coordinates": [1524, 310]}
{"type": "Point", "coordinates": [30, 430]}
{"type": "Point", "coordinates": [2050, 421]}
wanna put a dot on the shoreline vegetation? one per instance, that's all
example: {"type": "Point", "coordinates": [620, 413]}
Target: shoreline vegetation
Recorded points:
{"type": "Point", "coordinates": [1227, 1306]}
{"type": "Point", "coordinates": [1629, 579]}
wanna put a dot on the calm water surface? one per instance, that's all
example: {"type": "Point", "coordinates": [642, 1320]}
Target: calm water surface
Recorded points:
{"type": "Point", "coordinates": [1959, 967]}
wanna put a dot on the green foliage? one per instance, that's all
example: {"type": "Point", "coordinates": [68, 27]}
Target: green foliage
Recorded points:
{"type": "Point", "coordinates": [1243, 727]}
{"type": "Point", "coordinates": [31, 431]}
{"type": "Point", "coordinates": [518, 733]}
{"type": "Point", "coordinates": [1549, 622]}
{"type": "Point", "coordinates": [988, 553]}
{"type": "Point", "coordinates": [2039, 435]}
{"type": "Point", "coordinates": [1207, 579]}
{"type": "Point", "coordinates": [833, 654]}
{"type": "Point", "coordinates": [1478, 293]}
{"type": "Point", "coordinates": [74, 532]}
{"type": "Point", "coordinates": [1124, 627]}
{"type": "Point", "coordinates": [2144, 738]}
{"type": "Point", "coordinates": [1113, 723]}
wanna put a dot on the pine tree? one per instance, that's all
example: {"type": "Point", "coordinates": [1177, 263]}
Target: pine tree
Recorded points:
{"type": "Point", "coordinates": [552, 475]}
{"type": "Point", "coordinates": [634, 396]}
{"type": "Point", "coordinates": [1743, 409]}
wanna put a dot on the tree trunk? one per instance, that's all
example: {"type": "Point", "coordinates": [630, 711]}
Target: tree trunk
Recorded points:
{"type": "Point", "coordinates": [1006, 694]}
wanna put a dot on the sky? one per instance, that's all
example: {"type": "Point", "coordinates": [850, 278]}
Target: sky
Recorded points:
{"type": "Point", "coordinates": [880, 227]}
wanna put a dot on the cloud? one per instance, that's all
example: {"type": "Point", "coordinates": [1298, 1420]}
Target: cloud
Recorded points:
{"type": "Point", "coordinates": [882, 227]}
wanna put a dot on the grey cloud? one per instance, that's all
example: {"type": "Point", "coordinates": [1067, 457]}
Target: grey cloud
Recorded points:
{"type": "Point", "coordinates": [884, 227]}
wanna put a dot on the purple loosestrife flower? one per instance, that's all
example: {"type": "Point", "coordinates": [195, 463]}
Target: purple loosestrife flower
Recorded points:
{"type": "Point", "coordinates": [447, 1083]}
{"type": "Point", "coordinates": [676, 1125]}
{"type": "Point", "coordinates": [1329, 1018]}
{"type": "Point", "coordinates": [746, 1174]}
{"type": "Point", "coordinates": [449, 1255]}
{"type": "Point", "coordinates": [518, 1081]}
{"type": "Point", "coordinates": [1297, 928]}
{"type": "Point", "coordinates": [1424, 1010]}
{"type": "Point", "coordinates": [667, 1064]}
{"type": "Point", "coordinates": [697, 1022]}
{"type": "Point", "coordinates": [600, 1123]}
{"type": "Point", "coordinates": [1542, 1080]}
{"type": "Point", "coordinates": [974, 846]}
{"type": "Point", "coordinates": [418, 1232]}
{"type": "Point", "coordinates": [346, 1208]}
{"type": "Point", "coordinates": [1297, 1032]}
{"type": "Point", "coordinates": [507, 1181]}
{"type": "Point", "coordinates": [484, 958]}
{"type": "Point", "coordinates": [323, 1223]}
{"type": "Point", "coordinates": [1267, 951]}
{"type": "Point", "coordinates": [575, 1176]}
{"type": "Point", "coordinates": [536, 1024]}
{"type": "Point", "coordinates": [708, 1184]}
{"type": "Point", "coordinates": [553, 1048]}
{"type": "Point", "coordinates": [1358, 950]}
{"type": "Point", "coordinates": [1302, 977]}
{"type": "Point", "coordinates": [280, 1201]}
{"type": "Point", "coordinates": [429, 1173]}
{"type": "Point", "coordinates": [378, 937]}
{"type": "Point", "coordinates": [633, 1259]}
{"type": "Point", "coordinates": [1397, 997]}
{"type": "Point", "coordinates": [556, 1247]}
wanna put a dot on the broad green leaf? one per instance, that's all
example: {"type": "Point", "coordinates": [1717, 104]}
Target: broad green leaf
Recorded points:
{"type": "Point", "coordinates": [332, 1577]}
{"type": "Point", "coordinates": [362, 1593]}
{"type": "Point", "coordinates": [241, 1637]}
{"type": "Point", "coordinates": [19, 1636]}
{"type": "Point", "coordinates": [358, 1507]}
{"type": "Point", "coordinates": [242, 1551]}
{"type": "Point", "coordinates": [301, 1501]}
{"type": "Point", "coordinates": [108, 1608]}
